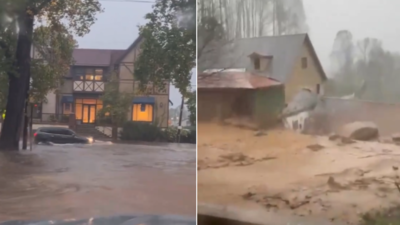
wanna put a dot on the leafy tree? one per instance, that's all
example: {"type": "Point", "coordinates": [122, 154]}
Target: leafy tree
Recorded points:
{"type": "Point", "coordinates": [169, 46]}
{"type": "Point", "coordinates": [364, 70]}
{"type": "Point", "coordinates": [54, 57]}
{"type": "Point", "coordinates": [63, 17]}
{"type": "Point", "coordinates": [116, 105]}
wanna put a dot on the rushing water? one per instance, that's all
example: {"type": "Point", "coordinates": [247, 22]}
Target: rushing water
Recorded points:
{"type": "Point", "coordinates": [101, 179]}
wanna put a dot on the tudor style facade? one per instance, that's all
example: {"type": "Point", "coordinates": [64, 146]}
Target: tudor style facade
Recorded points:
{"type": "Point", "coordinates": [82, 88]}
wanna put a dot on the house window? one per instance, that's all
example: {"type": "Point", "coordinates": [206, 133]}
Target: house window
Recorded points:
{"type": "Point", "coordinates": [67, 108]}
{"type": "Point", "coordinates": [142, 112]}
{"type": "Point", "coordinates": [257, 64]}
{"type": "Point", "coordinates": [89, 74]}
{"type": "Point", "coordinates": [98, 74]}
{"type": "Point", "coordinates": [304, 62]}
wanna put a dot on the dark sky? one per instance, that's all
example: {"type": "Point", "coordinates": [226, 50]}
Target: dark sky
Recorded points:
{"type": "Point", "coordinates": [117, 28]}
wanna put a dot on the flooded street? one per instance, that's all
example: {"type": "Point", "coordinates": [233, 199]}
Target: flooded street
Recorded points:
{"type": "Point", "coordinates": [295, 175]}
{"type": "Point", "coordinates": [81, 181]}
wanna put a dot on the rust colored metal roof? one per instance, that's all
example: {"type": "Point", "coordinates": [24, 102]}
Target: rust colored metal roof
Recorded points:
{"type": "Point", "coordinates": [234, 80]}
{"type": "Point", "coordinates": [96, 57]}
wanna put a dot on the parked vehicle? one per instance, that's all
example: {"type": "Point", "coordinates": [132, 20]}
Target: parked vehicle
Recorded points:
{"type": "Point", "coordinates": [59, 135]}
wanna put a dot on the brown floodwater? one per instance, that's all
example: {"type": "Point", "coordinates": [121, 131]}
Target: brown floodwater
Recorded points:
{"type": "Point", "coordinates": [102, 179]}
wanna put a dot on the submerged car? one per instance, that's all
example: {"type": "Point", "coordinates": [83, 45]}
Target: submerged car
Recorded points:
{"type": "Point", "coordinates": [59, 135]}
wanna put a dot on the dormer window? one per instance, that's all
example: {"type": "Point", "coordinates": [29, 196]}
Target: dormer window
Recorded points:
{"type": "Point", "coordinates": [257, 63]}
{"type": "Point", "coordinates": [260, 62]}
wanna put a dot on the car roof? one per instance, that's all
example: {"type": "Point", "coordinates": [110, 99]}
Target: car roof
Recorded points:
{"type": "Point", "coordinates": [53, 128]}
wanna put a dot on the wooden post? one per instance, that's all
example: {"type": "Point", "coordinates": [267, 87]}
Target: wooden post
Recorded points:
{"type": "Point", "coordinates": [31, 127]}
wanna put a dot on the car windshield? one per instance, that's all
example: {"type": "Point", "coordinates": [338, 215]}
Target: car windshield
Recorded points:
{"type": "Point", "coordinates": [79, 135]}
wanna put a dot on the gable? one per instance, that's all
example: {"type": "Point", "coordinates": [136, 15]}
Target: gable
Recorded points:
{"type": "Point", "coordinates": [311, 50]}
{"type": "Point", "coordinates": [284, 49]}
{"type": "Point", "coordinates": [132, 52]}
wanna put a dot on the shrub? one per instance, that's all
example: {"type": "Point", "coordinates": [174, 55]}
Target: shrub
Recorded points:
{"type": "Point", "coordinates": [171, 132]}
{"type": "Point", "coordinates": [137, 131]}
{"type": "Point", "coordinates": [190, 137]}
{"type": "Point", "coordinates": [188, 134]}
{"type": "Point", "coordinates": [65, 118]}
{"type": "Point", "coordinates": [52, 118]}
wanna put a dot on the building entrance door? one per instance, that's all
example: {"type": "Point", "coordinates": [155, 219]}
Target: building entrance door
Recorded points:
{"type": "Point", "coordinates": [89, 114]}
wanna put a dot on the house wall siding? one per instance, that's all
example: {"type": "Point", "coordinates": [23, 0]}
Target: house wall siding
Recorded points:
{"type": "Point", "coordinates": [303, 77]}
{"type": "Point", "coordinates": [127, 84]}
{"type": "Point", "coordinates": [66, 88]}
{"type": "Point", "coordinates": [49, 108]}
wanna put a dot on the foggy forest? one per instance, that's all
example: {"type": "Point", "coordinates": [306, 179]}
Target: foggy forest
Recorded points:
{"type": "Point", "coordinates": [362, 69]}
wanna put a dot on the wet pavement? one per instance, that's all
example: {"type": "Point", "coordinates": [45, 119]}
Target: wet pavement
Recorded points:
{"type": "Point", "coordinates": [103, 179]}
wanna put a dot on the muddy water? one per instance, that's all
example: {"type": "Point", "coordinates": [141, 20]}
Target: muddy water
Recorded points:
{"type": "Point", "coordinates": [81, 181]}
{"type": "Point", "coordinates": [277, 173]}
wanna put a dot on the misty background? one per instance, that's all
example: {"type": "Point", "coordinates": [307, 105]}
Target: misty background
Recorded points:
{"type": "Point", "coordinates": [354, 39]}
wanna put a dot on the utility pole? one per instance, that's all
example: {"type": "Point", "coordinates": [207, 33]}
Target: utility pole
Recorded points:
{"type": "Point", "coordinates": [30, 127]}
{"type": "Point", "coordinates": [178, 135]}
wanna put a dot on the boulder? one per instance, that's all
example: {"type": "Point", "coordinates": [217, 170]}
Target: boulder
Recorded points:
{"type": "Point", "coordinates": [396, 137]}
{"type": "Point", "coordinates": [362, 131]}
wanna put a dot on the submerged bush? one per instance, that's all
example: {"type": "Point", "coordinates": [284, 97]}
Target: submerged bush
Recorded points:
{"type": "Point", "coordinates": [139, 131]}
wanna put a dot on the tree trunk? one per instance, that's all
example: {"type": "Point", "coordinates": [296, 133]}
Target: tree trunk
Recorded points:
{"type": "Point", "coordinates": [9, 139]}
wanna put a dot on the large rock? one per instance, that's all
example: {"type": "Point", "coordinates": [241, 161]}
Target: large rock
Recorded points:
{"type": "Point", "coordinates": [363, 131]}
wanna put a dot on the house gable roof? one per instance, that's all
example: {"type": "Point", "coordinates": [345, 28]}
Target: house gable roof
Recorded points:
{"type": "Point", "coordinates": [315, 56]}
{"type": "Point", "coordinates": [284, 50]}
{"type": "Point", "coordinates": [101, 57]}
{"type": "Point", "coordinates": [95, 57]}
{"type": "Point", "coordinates": [130, 48]}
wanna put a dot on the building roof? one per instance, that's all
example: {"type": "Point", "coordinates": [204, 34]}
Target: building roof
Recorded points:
{"type": "Point", "coordinates": [284, 50]}
{"type": "Point", "coordinates": [95, 57]}
{"type": "Point", "coordinates": [101, 57]}
{"type": "Point", "coordinates": [234, 80]}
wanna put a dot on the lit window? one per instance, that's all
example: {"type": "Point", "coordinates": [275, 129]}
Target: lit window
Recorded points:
{"type": "Point", "coordinates": [142, 112]}
{"type": "Point", "coordinates": [89, 77]}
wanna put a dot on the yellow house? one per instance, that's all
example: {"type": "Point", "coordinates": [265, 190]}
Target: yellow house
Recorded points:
{"type": "Point", "coordinates": [289, 59]}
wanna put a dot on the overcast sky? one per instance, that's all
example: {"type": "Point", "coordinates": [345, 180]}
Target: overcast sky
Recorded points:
{"type": "Point", "coordinates": [116, 28]}
{"type": "Point", "coordinates": [363, 18]}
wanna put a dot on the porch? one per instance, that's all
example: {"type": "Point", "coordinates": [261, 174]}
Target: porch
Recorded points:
{"type": "Point", "coordinates": [240, 99]}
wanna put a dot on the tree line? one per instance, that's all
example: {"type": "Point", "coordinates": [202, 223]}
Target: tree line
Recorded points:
{"type": "Point", "coordinates": [364, 69]}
